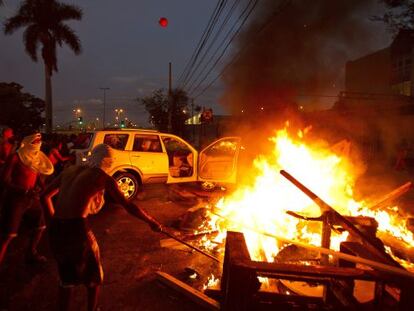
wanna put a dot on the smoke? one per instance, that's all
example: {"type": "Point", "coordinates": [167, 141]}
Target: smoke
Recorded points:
{"type": "Point", "coordinates": [301, 51]}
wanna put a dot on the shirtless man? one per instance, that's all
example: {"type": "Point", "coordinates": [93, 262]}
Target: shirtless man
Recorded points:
{"type": "Point", "coordinates": [20, 179]}
{"type": "Point", "coordinates": [80, 192]}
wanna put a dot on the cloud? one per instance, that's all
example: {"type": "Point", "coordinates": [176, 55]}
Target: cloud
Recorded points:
{"type": "Point", "coordinates": [89, 101]}
{"type": "Point", "coordinates": [125, 79]}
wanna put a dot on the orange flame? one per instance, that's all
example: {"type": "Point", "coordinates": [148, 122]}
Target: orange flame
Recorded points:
{"type": "Point", "coordinates": [326, 171]}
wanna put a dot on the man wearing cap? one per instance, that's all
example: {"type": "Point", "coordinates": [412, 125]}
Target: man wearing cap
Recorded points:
{"type": "Point", "coordinates": [20, 179]}
{"type": "Point", "coordinates": [80, 191]}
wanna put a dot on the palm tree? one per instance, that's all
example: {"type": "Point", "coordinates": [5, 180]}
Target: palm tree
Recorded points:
{"type": "Point", "coordinates": [43, 22]}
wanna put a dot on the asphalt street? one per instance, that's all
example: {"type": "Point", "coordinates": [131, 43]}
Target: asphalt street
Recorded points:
{"type": "Point", "coordinates": [131, 255]}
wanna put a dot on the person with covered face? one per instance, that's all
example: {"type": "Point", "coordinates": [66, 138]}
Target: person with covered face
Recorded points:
{"type": "Point", "coordinates": [21, 183]}
{"type": "Point", "coordinates": [80, 191]}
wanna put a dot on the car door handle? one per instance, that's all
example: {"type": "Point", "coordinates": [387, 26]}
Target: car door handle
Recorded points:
{"type": "Point", "coordinates": [136, 156]}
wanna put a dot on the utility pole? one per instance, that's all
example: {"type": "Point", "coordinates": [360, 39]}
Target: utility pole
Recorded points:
{"type": "Point", "coordinates": [170, 110]}
{"type": "Point", "coordinates": [104, 89]}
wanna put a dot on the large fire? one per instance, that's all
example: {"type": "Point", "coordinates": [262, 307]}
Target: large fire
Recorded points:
{"type": "Point", "coordinates": [327, 171]}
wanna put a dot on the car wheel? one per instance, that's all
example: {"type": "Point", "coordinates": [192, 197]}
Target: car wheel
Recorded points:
{"type": "Point", "coordinates": [208, 186]}
{"type": "Point", "coordinates": [128, 184]}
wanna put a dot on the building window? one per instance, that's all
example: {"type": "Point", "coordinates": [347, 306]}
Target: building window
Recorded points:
{"type": "Point", "coordinates": [403, 88]}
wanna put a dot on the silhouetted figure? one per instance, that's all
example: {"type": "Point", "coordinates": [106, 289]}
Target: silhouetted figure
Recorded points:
{"type": "Point", "coordinates": [80, 191]}
{"type": "Point", "coordinates": [20, 179]}
{"type": "Point", "coordinates": [55, 156]}
{"type": "Point", "coordinates": [6, 145]}
{"type": "Point", "coordinates": [401, 158]}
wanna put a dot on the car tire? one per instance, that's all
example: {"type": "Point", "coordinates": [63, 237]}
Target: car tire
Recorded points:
{"type": "Point", "coordinates": [128, 184]}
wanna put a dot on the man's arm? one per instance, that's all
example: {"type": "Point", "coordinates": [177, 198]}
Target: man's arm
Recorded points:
{"type": "Point", "coordinates": [58, 155]}
{"type": "Point", "coordinates": [51, 190]}
{"type": "Point", "coordinates": [113, 191]}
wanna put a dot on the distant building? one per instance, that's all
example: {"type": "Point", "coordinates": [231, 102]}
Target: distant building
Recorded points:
{"type": "Point", "coordinates": [376, 109]}
{"type": "Point", "coordinates": [387, 71]}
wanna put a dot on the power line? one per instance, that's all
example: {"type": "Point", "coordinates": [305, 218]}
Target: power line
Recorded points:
{"type": "Point", "coordinates": [192, 90]}
{"type": "Point", "coordinates": [218, 32]}
{"type": "Point", "coordinates": [206, 33]}
{"type": "Point", "coordinates": [203, 39]}
{"type": "Point", "coordinates": [281, 7]}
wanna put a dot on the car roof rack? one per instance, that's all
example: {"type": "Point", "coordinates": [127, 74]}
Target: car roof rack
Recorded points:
{"type": "Point", "coordinates": [127, 130]}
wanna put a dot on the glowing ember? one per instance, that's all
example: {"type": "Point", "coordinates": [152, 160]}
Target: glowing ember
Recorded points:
{"type": "Point", "coordinates": [263, 205]}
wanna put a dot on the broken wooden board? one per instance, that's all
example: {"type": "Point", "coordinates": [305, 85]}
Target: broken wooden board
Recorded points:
{"type": "Point", "coordinates": [195, 295]}
{"type": "Point", "coordinates": [391, 196]}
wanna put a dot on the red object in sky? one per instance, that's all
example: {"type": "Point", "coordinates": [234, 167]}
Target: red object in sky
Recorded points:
{"type": "Point", "coordinates": [163, 22]}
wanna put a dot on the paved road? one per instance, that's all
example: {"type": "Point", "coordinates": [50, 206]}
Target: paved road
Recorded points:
{"type": "Point", "coordinates": [131, 255]}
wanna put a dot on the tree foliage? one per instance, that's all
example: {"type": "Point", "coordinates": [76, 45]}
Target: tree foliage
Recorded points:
{"type": "Point", "coordinates": [157, 106]}
{"type": "Point", "coordinates": [20, 110]}
{"type": "Point", "coordinates": [43, 21]}
{"type": "Point", "coordinates": [399, 15]}
{"type": "Point", "coordinates": [44, 26]}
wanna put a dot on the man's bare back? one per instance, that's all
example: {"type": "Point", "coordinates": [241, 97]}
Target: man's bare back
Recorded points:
{"type": "Point", "coordinates": [78, 186]}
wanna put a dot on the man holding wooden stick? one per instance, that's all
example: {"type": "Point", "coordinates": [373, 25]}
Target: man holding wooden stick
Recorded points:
{"type": "Point", "coordinates": [80, 192]}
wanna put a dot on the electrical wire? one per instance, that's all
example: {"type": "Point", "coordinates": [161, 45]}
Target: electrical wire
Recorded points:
{"type": "Point", "coordinates": [281, 7]}
{"type": "Point", "coordinates": [227, 45]}
{"type": "Point", "coordinates": [206, 34]}
{"type": "Point", "coordinates": [218, 32]}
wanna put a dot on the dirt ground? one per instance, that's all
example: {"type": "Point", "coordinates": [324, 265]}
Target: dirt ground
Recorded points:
{"type": "Point", "coordinates": [131, 255]}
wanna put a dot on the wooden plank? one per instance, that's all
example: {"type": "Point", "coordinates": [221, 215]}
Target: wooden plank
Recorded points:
{"type": "Point", "coordinates": [314, 271]}
{"type": "Point", "coordinates": [368, 242]}
{"type": "Point", "coordinates": [190, 292]}
{"type": "Point", "coordinates": [237, 284]}
{"type": "Point", "coordinates": [237, 249]}
{"type": "Point", "coordinates": [389, 197]}
{"type": "Point", "coordinates": [357, 249]}
{"type": "Point", "coordinates": [374, 264]}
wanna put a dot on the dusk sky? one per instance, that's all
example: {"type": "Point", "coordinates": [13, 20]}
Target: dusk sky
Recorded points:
{"type": "Point", "coordinates": [125, 49]}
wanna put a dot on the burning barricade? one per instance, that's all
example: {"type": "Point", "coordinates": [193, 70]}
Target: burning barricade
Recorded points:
{"type": "Point", "coordinates": [297, 237]}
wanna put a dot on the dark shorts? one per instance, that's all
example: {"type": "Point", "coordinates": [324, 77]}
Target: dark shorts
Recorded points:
{"type": "Point", "coordinates": [18, 205]}
{"type": "Point", "coordinates": [76, 251]}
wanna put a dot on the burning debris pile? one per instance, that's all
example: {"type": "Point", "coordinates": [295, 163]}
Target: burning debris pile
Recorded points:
{"type": "Point", "coordinates": [281, 234]}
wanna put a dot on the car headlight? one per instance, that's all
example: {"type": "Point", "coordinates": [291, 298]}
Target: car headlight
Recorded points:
{"type": "Point", "coordinates": [84, 156]}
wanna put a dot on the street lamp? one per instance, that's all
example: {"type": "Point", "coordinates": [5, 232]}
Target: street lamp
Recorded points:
{"type": "Point", "coordinates": [77, 112]}
{"type": "Point", "coordinates": [78, 115]}
{"type": "Point", "coordinates": [118, 113]}
{"type": "Point", "coordinates": [104, 89]}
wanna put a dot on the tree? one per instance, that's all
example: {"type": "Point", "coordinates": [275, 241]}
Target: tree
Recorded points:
{"type": "Point", "coordinates": [20, 110]}
{"type": "Point", "coordinates": [157, 107]}
{"type": "Point", "coordinates": [399, 15]}
{"type": "Point", "coordinates": [43, 23]}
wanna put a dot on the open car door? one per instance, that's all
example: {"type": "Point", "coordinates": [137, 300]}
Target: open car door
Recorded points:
{"type": "Point", "coordinates": [217, 163]}
{"type": "Point", "coordinates": [182, 159]}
